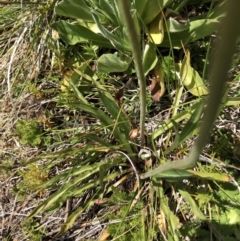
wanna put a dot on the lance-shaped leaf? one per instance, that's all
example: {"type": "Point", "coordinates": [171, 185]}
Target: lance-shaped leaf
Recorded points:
{"type": "Point", "coordinates": [153, 8]}
{"type": "Point", "coordinates": [117, 41]}
{"type": "Point", "coordinates": [75, 33]}
{"type": "Point", "coordinates": [109, 10]}
{"type": "Point", "coordinates": [191, 128]}
{"type": "Point", "coordinates": [195, 209]}
{"type": "Point", "coordinates": [74, 9]}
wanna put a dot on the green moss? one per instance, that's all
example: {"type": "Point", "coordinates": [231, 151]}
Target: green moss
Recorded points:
{"type": "Point", "coordinates": [129, 225]}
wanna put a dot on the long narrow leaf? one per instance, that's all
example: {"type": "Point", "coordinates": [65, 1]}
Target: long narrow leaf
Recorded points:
{"type": "Point", "coordinates": [179, 117]}
{"type": "Point", "coordinates": [189, 129]}
{"type": "Point", "coordinates": [195, 209]}
{"type": "Point", "coordinates": [117, 42]}
{"type": "Point", "coordinates": [75, 33]}
{"type": "Point", "coordinates": [115, 111]}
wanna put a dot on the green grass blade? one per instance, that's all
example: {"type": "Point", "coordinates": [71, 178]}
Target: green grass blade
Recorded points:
{"type": "Point", "coordinates": [190, 128]}
{"type": "Point", "coordinates": [117, 41]}
{"type": "Point", "coordinates": [195, 209]}
{"type": "Point", "coordinates": [179, 117]}
{"type": "Point", "coordinates": [62, 194]}
{"type": "Point", "coordinates": [116, 112]}
{"type": "Point", "coordinates": [72, 218]}
{"type": "Point", "coordinates": [172, 220]}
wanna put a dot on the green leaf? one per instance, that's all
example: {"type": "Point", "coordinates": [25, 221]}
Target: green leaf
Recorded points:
{"type": "Point", "coordinates": [173, 175]}
{"type": "Point", "coordinates": [149, 58]}
{"type": "Point", "coordinates": [75, 33]}
{"type": "Point", "coordinates": [202, 28]}
{"type": "Point", "coordinates": [108, 123]}
{"type": "Point", "coordinates": [77, 92]}
{"type": "Point", "coordinates": [198, 29]}
{"type": "Point", "coordinates": [112, 63]}
{"type": "Point", "coordinates": [119, 42]}
{"type": "Point", "coordinates": [140, 6]}
{"type": "Point", "coordinates": [173, 221]}
{"type": "Point", "coordinates": [190, 78]}
{"type": "Point", "coordinates": [195, 209]}
{"type": "Point", "coordinates": [176, 175]}
{"type": "Point", "coordinates": [173, 26]}
{"type": "Point", "coordinates": [97, 113]}
{"type": "Point", "coordinates": [190, 128]}
{"type": "Point", "coordinates": [153, 8]}
{"type": "Point", "coordinates": [70, 172]}
{"type": "Point", "coordinates": [74, 9]}
{"type": "Point", "coordinates": [211, 176]}
{"type": "Point", "coordinates": [62, 194]}
{"type": "Point", "coordinates": [177, 118]}
{"type": "Point", "coordinates": [121, 127]}
{"type": "Point", "coordinates": [96, 138]}
{"type": "Point", "coordinates": [110, 11]}
{"type": "Point", "coordinates": [72, 218]}
{"type": "Point", "coordinates": [116, 112]}
{"type": "Point", "coordinates": [79, 192]}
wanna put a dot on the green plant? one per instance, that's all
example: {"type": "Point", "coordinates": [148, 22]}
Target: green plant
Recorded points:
{"type": "Point", "coordinates": [218, 85]}
{"type": "Point", "coordinates": [29, 132]}
{"type": "Point", "coordinates": [29, 228]}
{"type": "Point", "coordinates": [33, 177]}
{"type": "Point", "coordinates": [127, 216]}
{"type": "Point", "coordinates": [148, 16]}
{"type": "Point", "coordinates": [103, 144]}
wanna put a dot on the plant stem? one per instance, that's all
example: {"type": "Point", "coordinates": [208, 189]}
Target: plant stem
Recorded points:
{"type": "Point", "coordinates": [134, 39]}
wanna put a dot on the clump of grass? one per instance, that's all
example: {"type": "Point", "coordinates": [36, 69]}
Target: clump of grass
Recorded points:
{"type": "Point", "coordinates": [32, 177]}
{"type": "Point", "coordinates": [29, 230]}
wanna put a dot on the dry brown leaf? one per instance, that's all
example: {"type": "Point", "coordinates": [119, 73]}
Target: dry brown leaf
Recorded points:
{"type": "Point", "coordinates": [148, 163]}
{"type": "Point", "coordinates": [119, 96]}
{"type": "Point", "coordinates": [101, 201]}
{"type": "Point", "coordinates": [161, 221]}
{"type": "Point", "coordinates": [155, 89]}
{"type": "Point", "coordinates": [104, 235]}
{"type": "Point", "coordinates": [157, 86]}
{"type": "Point", "coordinates": [133, 134]}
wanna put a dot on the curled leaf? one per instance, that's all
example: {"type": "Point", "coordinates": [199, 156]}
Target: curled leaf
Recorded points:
{"type": "Point", "coordinates": [175, 22]}
{"type": "Point", "coordinates": [157, 85]}
{"type": "Point", "coordinates": [149, 58]}
{"type": "Point", "coordinates": [156, 30]}
{"type": "Point", "coordinates": [190, 77]}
